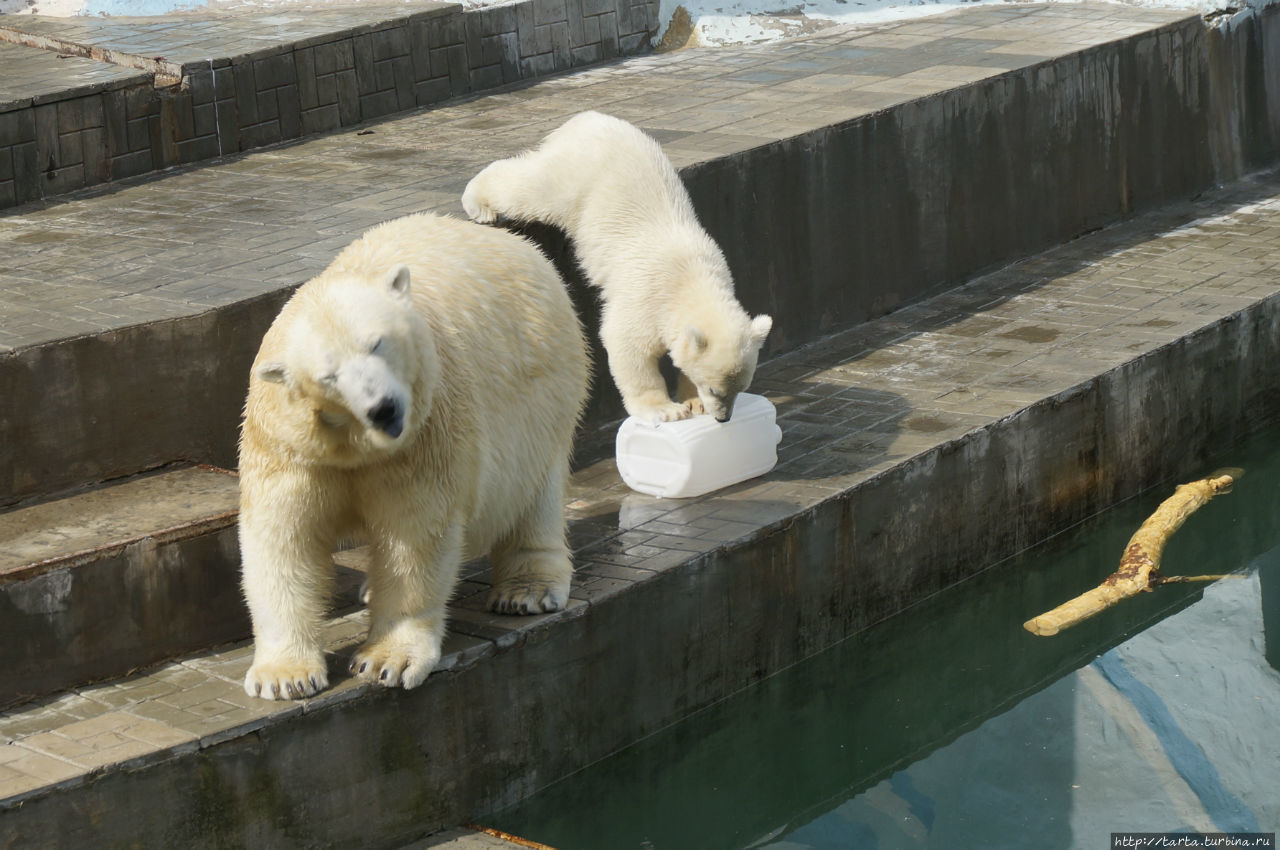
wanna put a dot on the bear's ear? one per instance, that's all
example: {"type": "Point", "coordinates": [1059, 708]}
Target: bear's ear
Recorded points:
{"type": "Point", "coordinates": [273, 373]}
{"type": "Point", "coordinates": [760, 327]}
{"type": "Point", "coordinates": [694, 339]}
{"type": "Point", "coordinates": [398, 281]}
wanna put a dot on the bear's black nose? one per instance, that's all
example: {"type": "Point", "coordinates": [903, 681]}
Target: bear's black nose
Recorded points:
{"type": "Point", "coordinates": [387, 417]}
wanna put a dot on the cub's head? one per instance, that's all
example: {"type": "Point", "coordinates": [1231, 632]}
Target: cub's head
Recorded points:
{"type": "Point", "coordinates": [719, 357]}
{"type": "Point", "coordinates": [350, 354]}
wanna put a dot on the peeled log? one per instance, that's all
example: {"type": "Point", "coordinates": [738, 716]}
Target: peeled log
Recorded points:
{"type": "Point", "coordinates": [1140, 566]}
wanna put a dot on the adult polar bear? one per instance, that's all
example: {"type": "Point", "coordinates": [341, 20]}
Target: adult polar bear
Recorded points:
{"type": "Point", "coordinates": [664, 282]}
{"type": "Point", "coordinates": [421, 392]}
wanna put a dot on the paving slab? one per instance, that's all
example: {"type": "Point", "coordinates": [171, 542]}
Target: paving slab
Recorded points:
{"type": "Point", "coordinates": [34, 76]}
{"type": "Point", "coordinates": [1030, 397]}
{"type": "Point", "coordinates": [40, 537]}
{"type": "Point", "coordinates": [218, 82]}
{"type": "Point", "coordinates": [844, 176]}
{"type": "Point", "coordinates": [182, 42]}
{"type": "Point", "coordinates": [148, 250]}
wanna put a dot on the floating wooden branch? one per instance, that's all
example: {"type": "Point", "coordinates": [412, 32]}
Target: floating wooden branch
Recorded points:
{"type": "Point", "coordinates": [1140, 567]}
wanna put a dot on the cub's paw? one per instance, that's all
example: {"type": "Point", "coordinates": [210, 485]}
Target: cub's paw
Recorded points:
{"type": "Point", "coordinates": [475, 204]}
{"type": "Point", "coordinates": [391, 662]}
{"type": "Point", "coordinates": [529, 596]}
{"type": "Point", "coordinates": [286, 679]}
{"type": "Point", "coordinates": [666, 412]}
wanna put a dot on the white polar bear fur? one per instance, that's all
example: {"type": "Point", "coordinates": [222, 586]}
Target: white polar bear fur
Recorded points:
{"type": "Point", "coordinates": [421, 393]}
{"type": "Point", "coordinates": [664, 283]}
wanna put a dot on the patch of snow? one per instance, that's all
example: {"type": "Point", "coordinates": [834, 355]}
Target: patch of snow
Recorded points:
{"type": "Point", "coordinates": [709, 22]}
{"type": "Point", "coordinates": [724, 22]}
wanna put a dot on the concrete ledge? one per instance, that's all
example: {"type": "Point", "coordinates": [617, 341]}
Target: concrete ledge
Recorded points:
{"type": "Point", "coordinates": [224, 83]}
{"type": "Point", "coordinates": [915, 196]}
{"type": "Point", "coordinates": [56, 102]}
{"type": "Point", "coordinates": [98, 366]}
{"type": "Point", "coordinates": [102, 583]}
{"type": "Point", "coordinates": [917, 449]}
{"type": "Point", "coordinates": [860, 178]}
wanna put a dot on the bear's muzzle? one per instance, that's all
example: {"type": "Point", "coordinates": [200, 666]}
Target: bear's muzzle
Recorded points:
{"type": "Point", "coordinates": [387, 416]}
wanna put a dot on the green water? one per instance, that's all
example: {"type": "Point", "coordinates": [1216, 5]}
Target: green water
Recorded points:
{"type": "Point", "coordinates": [950, 726]}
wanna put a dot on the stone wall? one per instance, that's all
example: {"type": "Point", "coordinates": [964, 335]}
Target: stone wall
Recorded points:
{"type": "Point", "coordinates": [177, 113]}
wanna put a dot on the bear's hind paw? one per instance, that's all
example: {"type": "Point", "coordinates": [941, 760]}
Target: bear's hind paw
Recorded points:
{"type": "Point", "coordinates": [529, 597]}
{"type": "Point", "coordinates": [285, 680]}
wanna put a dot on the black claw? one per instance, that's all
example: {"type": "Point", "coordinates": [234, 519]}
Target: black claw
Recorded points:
{"type": "Point", "coordinates": [315, 686]}
{"type": "Point", "coordinates": [364, 666]}
{"type": "Point", "coordinates": [383, 674]}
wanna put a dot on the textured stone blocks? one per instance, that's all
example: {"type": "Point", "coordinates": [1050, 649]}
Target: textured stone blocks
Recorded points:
{"type": "Point", "coordinates": [17, 127]}
{"type": "Point", "coordinates": [325, 83]}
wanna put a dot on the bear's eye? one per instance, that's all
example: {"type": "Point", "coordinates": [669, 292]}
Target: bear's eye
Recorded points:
{"type": "Point", "coordinates": [378, 345]}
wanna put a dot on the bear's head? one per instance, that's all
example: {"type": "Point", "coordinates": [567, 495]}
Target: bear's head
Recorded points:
{"type": "Point", "coordinates": [354, 358]}
{"type": "Point", "coordinates": [718, 356]}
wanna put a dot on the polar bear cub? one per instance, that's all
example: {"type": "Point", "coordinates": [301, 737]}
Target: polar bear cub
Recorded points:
{"type": "Point", "coordinates": [664, 283]}
{"type": "Point", "coordinates": [381, 406]}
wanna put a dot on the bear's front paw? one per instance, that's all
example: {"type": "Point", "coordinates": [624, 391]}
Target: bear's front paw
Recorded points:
{"type": "Point", "coordinates": [393, 662]}
{"type": "Point", "coordinates": [286, 679]}
{"type": "Point", "coordinates": [532, 596]}
{"type": "Point", "coordinates": [667, 412]}
{"type": "Point", "coordinates": [475, 206]}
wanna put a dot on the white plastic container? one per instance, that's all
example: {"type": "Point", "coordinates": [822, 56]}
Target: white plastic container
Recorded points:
{"type": "Point", "coordinates": [677, 460]}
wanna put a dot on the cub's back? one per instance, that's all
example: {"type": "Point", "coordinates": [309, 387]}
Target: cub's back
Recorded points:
{"type": "Point", "coordinates": [623, 172]}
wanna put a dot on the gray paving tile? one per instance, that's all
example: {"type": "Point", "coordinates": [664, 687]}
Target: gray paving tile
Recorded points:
{"type": "Point", "coordinates": [264, 220]}
{"type": "Point", "coordinates": [33, 75]}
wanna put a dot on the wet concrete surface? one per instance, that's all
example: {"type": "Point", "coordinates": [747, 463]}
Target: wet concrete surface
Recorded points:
{"type": "Point", "coordinates": [927, 430]}
{"type": "Point", "coordinates": [917, 449]}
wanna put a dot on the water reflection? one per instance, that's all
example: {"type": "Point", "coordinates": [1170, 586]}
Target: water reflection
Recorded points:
{"type": "Point", "coordinates": [951, 726]}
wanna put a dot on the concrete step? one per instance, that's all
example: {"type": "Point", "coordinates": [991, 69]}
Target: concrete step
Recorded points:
{"type": "Point", "coordinates": [91, 100]}
{"type": "Point", "coordinates": [845, 174]}
{"type": "Point", "coordinates": [917, 449]}
{"type": "Point", "coordinates": [101, 583]}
